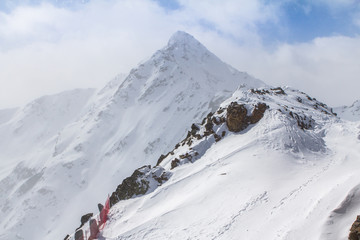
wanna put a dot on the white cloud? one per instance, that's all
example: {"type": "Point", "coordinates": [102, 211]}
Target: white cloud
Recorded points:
{"type": "Point", "coordinates": [45, 49]}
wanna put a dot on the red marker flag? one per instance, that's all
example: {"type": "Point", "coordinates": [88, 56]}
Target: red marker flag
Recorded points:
{"type": "Point", "coordinates": [104, 214]}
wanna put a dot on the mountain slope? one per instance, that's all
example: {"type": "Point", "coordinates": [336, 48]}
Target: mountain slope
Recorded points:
{"type": "Point", "coordinates": [6, 114]}
{"type": "Point", "coordinates": [80, 159]}
{"type": "Point", "coordinates": [289, 175]}
{"type": "Point", "coordinates": [351, 113]}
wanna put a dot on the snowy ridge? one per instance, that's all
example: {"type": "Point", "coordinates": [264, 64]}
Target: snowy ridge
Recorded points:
{"type": "Point", "coordinates": [351, 113]}
{"type": "Point", "coordinates": [291, 194]}
{"type": "Point", "coordinates": [302, 116]}
{"type": "Point", "coordinates": [67, 158]}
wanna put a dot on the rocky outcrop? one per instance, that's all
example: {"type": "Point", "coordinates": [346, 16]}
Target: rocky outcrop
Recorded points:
{"type": "Point", "coordinates": [79, 235]}
{"type": "Point", "coordinates": [142, 181]}
{"type": "Point", "coordinates": [84, 219]}
{"type": "Point", "coordinates": [175, 163]}
{"type": "Point", "coordinates": [271, 91]}
{"type": "Point", "coordinates": [258, 113]}
{"type": "Point", "coordinates": [237, 118]}
{"type": "Point", "coordinates": [303, 121]}
{"type": "Point", "coordinates": [355, 230]}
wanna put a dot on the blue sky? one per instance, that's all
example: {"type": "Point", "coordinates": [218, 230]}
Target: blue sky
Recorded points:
{"type": "Point", "coordinates": [302, 21]}
{"type": "Point", "coordinates": [66, 44]}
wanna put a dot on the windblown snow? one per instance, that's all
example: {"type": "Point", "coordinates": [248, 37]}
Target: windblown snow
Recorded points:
{"type": "Point", "coordinates": [291, 172]}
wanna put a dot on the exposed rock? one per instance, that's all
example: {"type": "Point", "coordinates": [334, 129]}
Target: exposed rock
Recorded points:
{"type": "Point", "coordinates": [194, 129]}
{"type": "Point", "coordinates": [100, 207]}
{"type": "Point", "coordinates": [174, 163]}
{"type": "Point", "coordinates": [355, 229]}
{"type": "Point", "coordinates": [220, 111]}
{"type": "Point", "coordinates": [189, 142]}
{"type": "Point", "coordinates": [67, 237]}
{"type": "Point", "coordinates": [236, 119]}
{"type": "Point", "coordinates": [186, 155]}
{"type": "Point", "coordinates": [79, 235]}
{"type": "Point", "coordinates": [278, 91]}
{"type": "Point", "coordinates": [208, 127]}
{"type": "Point", "coordinates": [258, 113]}
{"type": "Point", "coordinates": [217, 137]}
{"type": "Point", "coordinates": [139, 183]}
{"type": "Point", "coordinates": [260, 92]}
{"type": "Point", "coordinates": [161, 158]}
{"type": "Point", "coordinates": [303, 121]}
{"type": "Point", "coordinates": [84, 219]}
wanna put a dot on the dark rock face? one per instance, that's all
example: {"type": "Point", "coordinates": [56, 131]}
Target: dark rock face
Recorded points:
{"type": "Point", "coordinates": [355, 230]}
{"type": "Point", "coordinates": [138, 183]}
{"type": "Point", "coordinates": [161, 158]}
{"type": "Point", "coordinates": [194, 129]}
{"type": "Point", "coordinates": [278, 91]}
{"type": "Point", "coordinates": [100, 207]}
{"type": "Point", "coordinates": [303, 121]}
{"type": "Point", "coordinates": [237, 118]}
{"type": "Point", "coordinates": [258, 113]}
{"type": "Point", "coordinates": [79, 235]}
{"type": "Point", "coordinates": [84, 219]}
{"type": "Point", "coordinates": [273, 91]}
{"type": "Point", "coordinates": [130, 186]}
{"type": "Point", "coordinates": [174, 163]}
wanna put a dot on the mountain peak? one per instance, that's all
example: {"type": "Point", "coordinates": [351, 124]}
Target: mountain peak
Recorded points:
{"type": "Point", "coordinates": [182, 38]}
{"type": "Point", "coordinates": [187, 63]}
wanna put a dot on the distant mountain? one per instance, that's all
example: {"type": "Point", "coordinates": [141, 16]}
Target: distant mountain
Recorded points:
{"type": "Point", "coordinates": [61, 155]}
{"type": "Point", "coordinates": [6, 114]}
{"type": "Point", "coordinates": [351, 113]}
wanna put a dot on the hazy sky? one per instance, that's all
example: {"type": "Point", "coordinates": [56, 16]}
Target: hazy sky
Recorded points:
{"type": "Point", "coordinates": [48, 46]}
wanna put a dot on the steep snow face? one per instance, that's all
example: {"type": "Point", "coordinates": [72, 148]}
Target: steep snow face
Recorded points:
{"type": "Point", "coordinates": [25, 147]}
{"type": "Point", "coordinates": [70, 161]}
{"type": "Point", "coordinates": [351, 113]}
{"type": "Point", "coordinates": [187, 66]}
{"type": "Point", "coordinates": [288, 176]}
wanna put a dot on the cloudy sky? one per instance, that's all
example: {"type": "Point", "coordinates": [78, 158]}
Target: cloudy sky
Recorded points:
{"type": "Point", "coordinates": [48, 46]}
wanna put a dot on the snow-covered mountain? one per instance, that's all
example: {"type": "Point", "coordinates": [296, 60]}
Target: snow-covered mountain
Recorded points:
{"type": "Point", "coordinates": [62, 154]}
{"type": "Point", "coordinates": [270, 163]}
{"type": "Point", "coordinates": [351, 113]}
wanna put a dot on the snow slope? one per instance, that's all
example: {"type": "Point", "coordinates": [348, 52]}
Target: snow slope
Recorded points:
{"type": "Point", "coordinates": [61, 155]}
{"type": "Point", "coordinates": [351, 113]}
{"type": "Point", "coordinates": [274, 180]}
{"type": "Point", "coordinates": [6, 114]}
